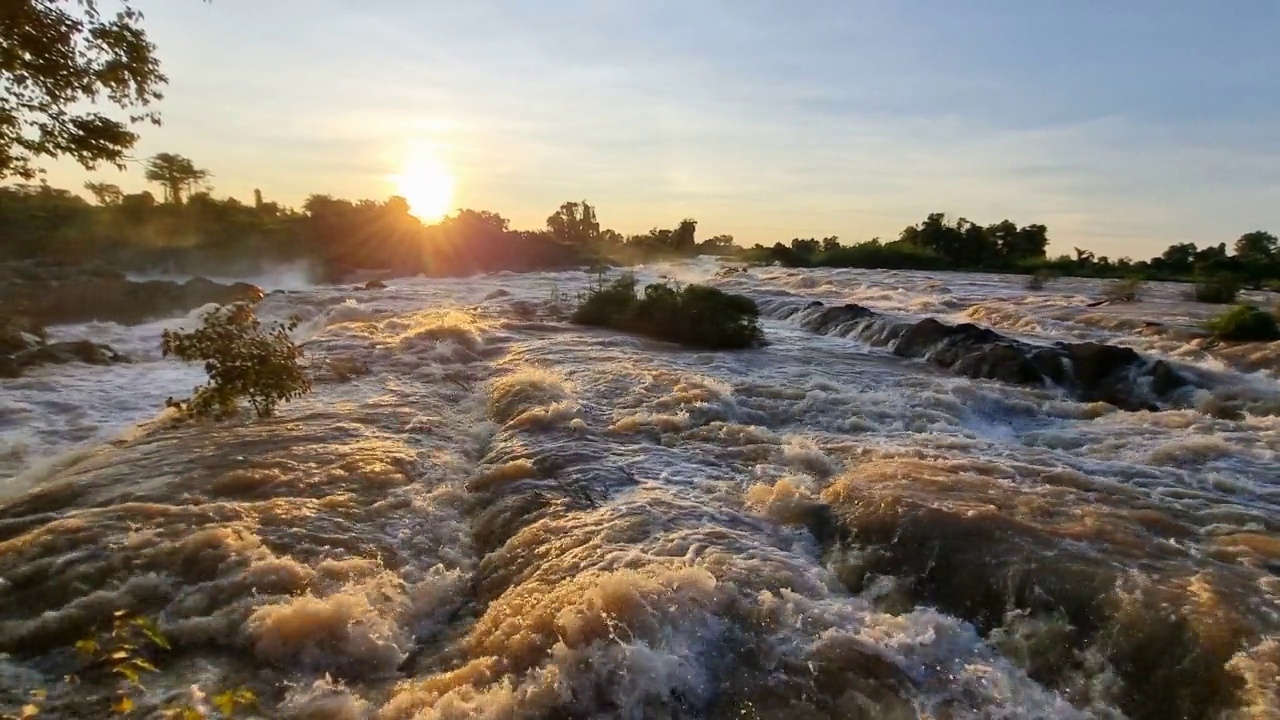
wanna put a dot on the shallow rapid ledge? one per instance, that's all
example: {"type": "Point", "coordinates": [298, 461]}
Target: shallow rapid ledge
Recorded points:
{"type": "Point", "coordinates": [1089, 372]}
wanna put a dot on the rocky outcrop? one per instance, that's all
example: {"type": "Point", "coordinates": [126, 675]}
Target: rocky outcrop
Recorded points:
{"type": "Point", "coordinates": [18, 354]}
{"type": "Point", "coordinates": [969, 350]}
{"type": "Point", "coordinates": [52, 294]}
{"type": "Point", "coordinates": [1090, 372]}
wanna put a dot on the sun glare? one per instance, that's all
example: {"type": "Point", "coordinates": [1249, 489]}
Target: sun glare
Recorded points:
{"type": "Point", "coordinates": [428, 186]}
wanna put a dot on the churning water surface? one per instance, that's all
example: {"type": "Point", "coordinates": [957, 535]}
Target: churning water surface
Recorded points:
{"type": "Point", "coordinates": [484, 511]}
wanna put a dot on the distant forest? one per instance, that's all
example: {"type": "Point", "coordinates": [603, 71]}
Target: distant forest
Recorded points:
{"type": "Point", "coordinates": [1253, 260]}
{"type": "Point", "coordinates": [189, 230]}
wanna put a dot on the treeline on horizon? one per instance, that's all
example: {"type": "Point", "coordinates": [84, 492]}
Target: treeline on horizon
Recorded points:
{"type": "Point", "coordinates": [188, 230]}
{"type": "Point", "coordinates": [938, 243]}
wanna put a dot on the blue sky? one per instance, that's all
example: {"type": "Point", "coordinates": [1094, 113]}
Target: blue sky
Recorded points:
{"type": "Point", "coordinates": [1123, 126]}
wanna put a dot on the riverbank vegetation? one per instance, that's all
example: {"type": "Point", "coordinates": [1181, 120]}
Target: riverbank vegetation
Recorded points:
{"type": "Point", "coordinates": [191, 231]}
{"type": "Point", "coordinates": [939, 243]}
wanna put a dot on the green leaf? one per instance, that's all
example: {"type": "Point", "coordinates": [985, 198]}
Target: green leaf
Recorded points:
{"type": "Point", "coordinates": [225, 702]}
{"type": "Point", "coordinates": [154, 636]}
{"type": "Point", "coordinates": [143, 665]}
{"type": "Point", "coordinates": [123, 706]}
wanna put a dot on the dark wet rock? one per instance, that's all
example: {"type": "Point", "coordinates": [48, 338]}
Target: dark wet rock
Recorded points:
{"type": "Point", "coordinates": [83, 351]}
{"type": "Point", "coordinates": [19, 335]}
{"type": "Point", "coordinates": [51, 294]}
{"type": "Point", "coordinates": [835, 317]}
{"type": "Point", "coordinates": [970, 351]}
{"type": "Point", "coordinates": [14, 364]}
{"type": "Point", "coordinates": [499, 293]}
{"type": "Point", "coordinates": [1093, 363]}
{"type": "Point", "coordinates": [822, 522]}
{"type": "Point", "coordinates": [375, 285]}
{"type": "Point", "coordinates": [1165, 379]}
{"type": "Point", "coordinates": [1090, 372]}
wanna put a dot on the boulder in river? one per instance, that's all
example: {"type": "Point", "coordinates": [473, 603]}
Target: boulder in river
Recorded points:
{"type": "Point", "coordinates": [1090, 372]}
{"type": "Point", "coordinates": [969, 350]}
{"type": "Point", "coordinates": [835, 317]}
{"type": "Point", "coordinates": [13, 364]}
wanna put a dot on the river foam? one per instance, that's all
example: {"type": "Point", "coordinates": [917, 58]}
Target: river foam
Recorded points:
{"type": "Point", "coordinates": [483, 511]}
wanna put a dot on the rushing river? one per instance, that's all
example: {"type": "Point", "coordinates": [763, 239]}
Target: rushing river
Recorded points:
{"type": "Point", "coordinates": [484, 511]}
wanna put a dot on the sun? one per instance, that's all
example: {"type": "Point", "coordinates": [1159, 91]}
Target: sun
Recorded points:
{"type": "Point", "coordinates": [428, 187]}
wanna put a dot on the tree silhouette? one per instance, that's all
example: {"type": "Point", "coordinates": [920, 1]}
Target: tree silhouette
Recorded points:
{"type": "Point", "coordinates": [716, 245]}
{"type": "Point", "coordinates": [807, 247]}
{"type": "Point", "coordinates": [105, 193]}
{"type": "Point", "coordinates": [1257, 246]}
{"type": "Point", "coordinates": [684, 239]}
{"type": "Point", "coordinates": [57, 59]}
{"type": "Point", "coordinates": [575, 224]}
{"type": "Point", "coordinates": [176, 174]}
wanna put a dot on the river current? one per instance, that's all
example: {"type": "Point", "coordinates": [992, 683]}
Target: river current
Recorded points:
{"type": "Point", "coordinates": [485, 511]}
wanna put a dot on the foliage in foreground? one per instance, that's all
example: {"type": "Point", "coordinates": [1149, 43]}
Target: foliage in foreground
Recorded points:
{"type": "Point", "coordinates": [243, 360]}
{"type": "Point", "coordinates": [59, 60]}
{"type": "Point", "coordinates": [695, 316]}
{"type": "Point", "coordinates": [1244, 323]}
{"type": "Point", "coordinates": [124, 654]}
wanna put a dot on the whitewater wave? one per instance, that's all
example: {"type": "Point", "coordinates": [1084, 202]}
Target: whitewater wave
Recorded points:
{"type": "Point", "coordinates": [483, 511]}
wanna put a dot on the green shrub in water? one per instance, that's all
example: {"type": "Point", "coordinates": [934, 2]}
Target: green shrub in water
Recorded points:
{"type": "Point", "coordinates": [1219, 291]}
{"type": "Point", "coordinates": [696, 315]}
{"type": "Point", "coordinates": [1127, 290]}
{"type": "Point", "coordinates": [1245, 323]}
{"type": "Point", "coordinates": [243, 360]}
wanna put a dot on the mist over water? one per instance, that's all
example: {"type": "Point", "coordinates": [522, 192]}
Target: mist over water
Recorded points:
{"type": "Point", "coordinates": [299, 275]}
{"type": "Point", "coordinates": [484, 511]}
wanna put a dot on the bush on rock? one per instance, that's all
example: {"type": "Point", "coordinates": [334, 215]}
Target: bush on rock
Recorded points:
{"type": "Point", "coordinates": [695, 315]}
{"type": "Point", "coordinates": [1245, 323]}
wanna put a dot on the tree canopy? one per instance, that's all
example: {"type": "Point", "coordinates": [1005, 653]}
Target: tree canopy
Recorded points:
{"type": "Point", "coordinates": [59, 61]}
{"type": "Point", "coordinates": [941, 244]}
{"type": "Point", "coordinates": [176, 174]}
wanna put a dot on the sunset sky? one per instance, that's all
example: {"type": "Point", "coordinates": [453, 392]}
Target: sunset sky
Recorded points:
{"type": "Point", "coordinates": [1123, 126]}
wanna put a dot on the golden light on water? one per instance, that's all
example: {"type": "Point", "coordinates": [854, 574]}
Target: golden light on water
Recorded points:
{"type": "Point", "coordinates": [427, 184]}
